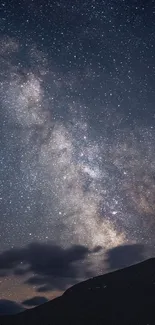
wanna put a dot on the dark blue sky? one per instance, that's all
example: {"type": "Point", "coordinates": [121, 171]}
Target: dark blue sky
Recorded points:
{"type": "Point", "coordinates": [77, 132]}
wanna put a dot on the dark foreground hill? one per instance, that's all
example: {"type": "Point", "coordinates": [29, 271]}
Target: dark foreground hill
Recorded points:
{"type": "Point", "coordinates": [125, 297]}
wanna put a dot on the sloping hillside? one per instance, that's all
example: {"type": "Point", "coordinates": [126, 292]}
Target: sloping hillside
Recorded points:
{"type": "Point", "coordinates": [125, 296]}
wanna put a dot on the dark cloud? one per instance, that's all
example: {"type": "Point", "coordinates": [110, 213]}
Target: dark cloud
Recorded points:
{"type": "Point", "coordinates": [11, 258]}
{"type": "Point", "coordinates": [97, 249]}
{"type": "Point", "coordinates": [35, 301]}
{"type": "Point", "coordinates": [52, 265]}
{"type": "Point", "coordinates": [8, 307]}
{"type": "Point", "coordinates": [45, 288]}
{"type": "Point", "coordinates": [125, 255]}
{"type": "Point", "coordinates": [20, 271]}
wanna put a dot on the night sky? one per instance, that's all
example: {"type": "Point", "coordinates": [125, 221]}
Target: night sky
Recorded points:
{"type": "Point", "coordinates": [77, 142]}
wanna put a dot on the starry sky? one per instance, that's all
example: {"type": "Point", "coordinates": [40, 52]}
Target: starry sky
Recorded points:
{"type": "Point", "coordinates": [77, 135]}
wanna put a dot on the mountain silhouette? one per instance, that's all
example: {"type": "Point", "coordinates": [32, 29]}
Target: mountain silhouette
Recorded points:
{"type": "Point", "coordinates": [125, 296]}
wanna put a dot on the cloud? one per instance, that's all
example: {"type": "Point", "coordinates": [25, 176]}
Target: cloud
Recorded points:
{"type": "Point", "coordinates": [35, 301]}
{"type": "Point", "coordinates": [45, 288]}
{"type": "Point", "coordinates": [8, 307]}
{"type": "Point", "coordinates": [50, 267]}
{"type": "Point", "coordinates": [125, 255]}
{"type": "Point", "coordinates": [48, 264]}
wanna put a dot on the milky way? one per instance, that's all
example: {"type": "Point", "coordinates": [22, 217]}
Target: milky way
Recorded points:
{"type": "Point", "coordinates": [87, 188]}
{"type": "Point", "coordinates": [77, 158]}
{"type": "Point", "coordinates": [60, 161]}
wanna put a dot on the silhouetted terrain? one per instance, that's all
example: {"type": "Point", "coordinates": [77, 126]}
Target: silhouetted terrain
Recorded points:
{"type": "Point", "coordinates": [126, 296]}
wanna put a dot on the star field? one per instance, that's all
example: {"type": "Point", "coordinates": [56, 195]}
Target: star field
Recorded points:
{"type": "Point", "coordinates": [77, 126]}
